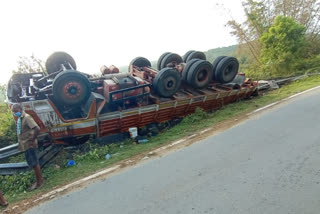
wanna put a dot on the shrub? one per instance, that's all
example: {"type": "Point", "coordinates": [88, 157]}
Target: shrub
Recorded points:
{"type": "Point", "coordinates": [96, 153]}
{"type": "Point", "coordinates": [8, 133]}
{"type": "Point", "coordinates": [12, 184]}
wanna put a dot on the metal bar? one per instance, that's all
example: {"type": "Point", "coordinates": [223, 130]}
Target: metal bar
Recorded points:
{"type": "Point", "coordinates": [13, 168]}
{"type": "Point", "coordinates": [44, 157]}
{"type": "Point", "coordinates": [9, 151]}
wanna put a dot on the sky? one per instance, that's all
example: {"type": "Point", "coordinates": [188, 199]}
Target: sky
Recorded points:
{"type": "Point", "coordinates": [104, 32]}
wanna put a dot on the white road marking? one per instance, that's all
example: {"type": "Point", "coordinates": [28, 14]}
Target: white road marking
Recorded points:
{"type": "Point", "coordinates": [306, 91]}
{"type": "Point", "coordinates": [204, 131]}
{"type": "Point", "coordinates": [191, 136]}
{"type": "Point", "coordinates": [177, 142]}
{"type": "Point", "coordinates": [265, 107]}
{"type": "Point", "coordinates": [285, 99]}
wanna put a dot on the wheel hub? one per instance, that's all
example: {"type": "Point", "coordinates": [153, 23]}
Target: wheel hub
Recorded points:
{"type": "Point", "coordinates": [72, 90]}
{"type": "Point", "coordinates": [170, 83]}
{"type": "Point", "coordinates": [202, 75]}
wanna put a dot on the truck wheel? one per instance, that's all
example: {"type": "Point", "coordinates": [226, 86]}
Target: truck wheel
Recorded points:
{"type": "Point", "coordinates": [196, 55]}
{"type": "Point", "coordinates": [185, 56]}
{"type": "Point", "coordinates": [55, 60]}
{"type": "Point", "coordinates": [140, 62]}
{"type": "Point", "coordinates": [71, 88]}
{"type": "Point", "coordinates": [227, 69]}
{"type": "Point", "coordinates": [200, 74]}
{"type": "Point", "coordinates": [167, 82]}
{"type": "Point", "coordinates": [186, 69]}
{"type": "Point", "coordinates": [214, 66]}
{"type": "Point", "coordinates": [160, 60]}
{"type": "Point", "coordinates": [171, 58]}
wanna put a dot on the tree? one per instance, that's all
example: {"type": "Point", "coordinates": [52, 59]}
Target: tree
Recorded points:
{"type": "Point", "coordinates": [8, 128]}
{"type": "Point", "coordinates": [282, 44]}
{"type": "Point", "coordinates": [29, 65]}
{"type": "Point", "coordinates": [260, 15]}
{"type": "Point", "coordinates": [3, 93]}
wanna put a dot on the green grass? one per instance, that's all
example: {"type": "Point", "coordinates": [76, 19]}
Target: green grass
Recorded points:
{"type": "Point", "coordinates": [15, 186]}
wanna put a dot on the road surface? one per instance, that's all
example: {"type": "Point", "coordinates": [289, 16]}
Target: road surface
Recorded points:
{"type": "Point", "coordinates": [268, 164]}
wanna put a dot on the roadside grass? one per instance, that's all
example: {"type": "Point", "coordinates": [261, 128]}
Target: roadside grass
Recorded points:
{"type": "Point", "coordinates": [15, 187]}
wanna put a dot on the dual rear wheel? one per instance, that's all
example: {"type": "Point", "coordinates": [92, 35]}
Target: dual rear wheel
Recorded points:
{"type": "Point", "coordinates": [168, 59]}
{"type": "Point", "coordinates": [197, 73]}
{"type": "Point", "coordinates": [190, 55]}
{"type": "Point", "coordinates": [167, 82]}
{"type": "Point", "coordinates": [225, 69]}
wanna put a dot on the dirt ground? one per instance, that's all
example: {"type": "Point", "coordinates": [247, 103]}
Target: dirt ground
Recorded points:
{"type": "Point", "coordinates": [22, 206]}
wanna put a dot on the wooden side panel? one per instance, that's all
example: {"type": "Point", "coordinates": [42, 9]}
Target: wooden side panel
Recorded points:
{"type": "Point", "coordinates": [169, 110]}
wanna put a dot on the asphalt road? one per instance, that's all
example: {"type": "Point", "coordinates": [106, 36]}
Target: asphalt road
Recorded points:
{"type": "Point", "coordinates": [267, 164]}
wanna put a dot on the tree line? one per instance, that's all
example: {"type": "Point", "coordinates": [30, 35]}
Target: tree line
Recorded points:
{"type": "Point", "coordinates": [279, 37]}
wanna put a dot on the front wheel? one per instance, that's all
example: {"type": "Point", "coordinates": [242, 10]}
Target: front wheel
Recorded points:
{"type": "Point", "coordinates": [55, 60]}
{"type": "Point", "coordinates": [71, 88]}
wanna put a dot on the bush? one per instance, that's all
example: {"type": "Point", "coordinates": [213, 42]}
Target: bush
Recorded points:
{"type": "Point", "coordinates": [310, 65]}
{"type": "Point", "coordinates": [282, 45]}
{"type": "Point", "coordinates": [8, 133]}
{"type": "Point", "coordinates": [12, 184]}
{"type": "Point", "coordinates": [96, 153]}
{"type": "Point", "coordinates": [301, 66]}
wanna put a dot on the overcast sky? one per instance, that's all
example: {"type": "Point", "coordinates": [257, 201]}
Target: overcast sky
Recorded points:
{"type": "Point", "coordinates": [103, 32]}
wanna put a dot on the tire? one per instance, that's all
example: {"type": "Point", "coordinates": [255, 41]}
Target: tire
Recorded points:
{"type": "Point", "coordinates": [200, 74]}
{"type": "Point", "coordinates": [185, 56]}
{"type": "Point", "coordinates": [196, 55]}
{"type": "Point", "coordinates": [160, 60]}
{"type": "Point", "coordinates": [140, 62]}
{"type": "Point", "coordinates": [186, 69]}
{"type": "Point", "coordinates": [54, 61]}
{"type": "Point", "coordinates": [71, 88]}
{"type": "Point", "coordinates": [167, 82]}
{"type": "Point", "coordinates": [227, 69]}
{"type": "Point", "coordinates": [170, 58]}
{"type": "Point", "coordinates": [215, 64]}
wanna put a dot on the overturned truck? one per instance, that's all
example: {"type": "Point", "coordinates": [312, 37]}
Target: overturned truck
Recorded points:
{"type": "Point", "coordinates": [69, 106]}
